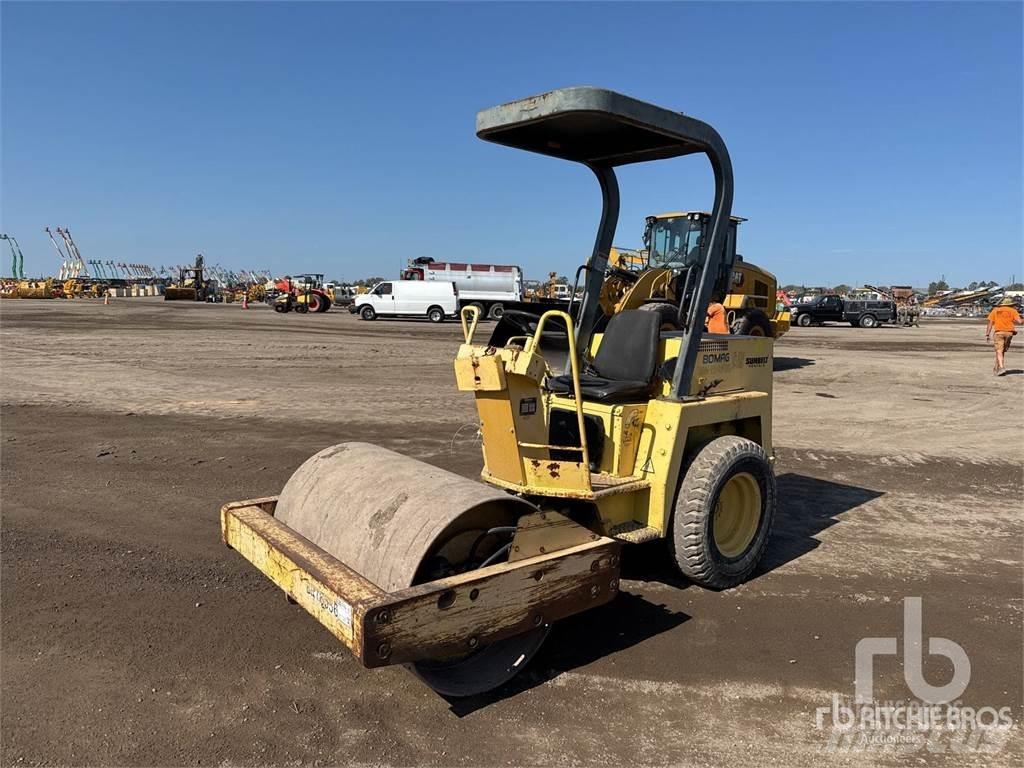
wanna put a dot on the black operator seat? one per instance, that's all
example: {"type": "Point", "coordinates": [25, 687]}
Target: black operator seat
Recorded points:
{"type": "Point", "coordinates": [624, 365]}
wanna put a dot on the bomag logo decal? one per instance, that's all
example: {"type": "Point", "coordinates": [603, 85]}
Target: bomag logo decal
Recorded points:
{"type": "Point", "coordinates": [711, 359]}
{"type": "Point", "coordinates": [757, 362]}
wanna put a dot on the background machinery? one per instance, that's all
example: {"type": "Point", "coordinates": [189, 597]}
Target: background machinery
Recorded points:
{"type": "Point", "coordinates": [752, 303]}
{"type": "Point", "coordinates": [302, 293]}
{"type": "Point", "coordinates": [651, 279]}
{"type": "Point", "coordinates": [629, 259]}
{"type": "Point", "coordinates": [598, 429]}
{"type": "Point", "coordinates": [488, 287]}
{"type": "Point", "coordinates": [191, 284]}
{"type": "Point", "coordinates": [17, 257]}
{"type": "Point", "coordinates": [76, 266]}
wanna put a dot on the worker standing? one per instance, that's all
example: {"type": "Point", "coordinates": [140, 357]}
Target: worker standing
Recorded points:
{"type": "Point", "coordinates": [715, 321]}
{"type": "Point", "coordinates": [1000, 329]}
{"type": "Point", "coordinates": [914, 313]}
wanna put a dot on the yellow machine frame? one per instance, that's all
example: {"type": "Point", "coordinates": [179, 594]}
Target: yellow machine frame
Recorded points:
{"type": "Point", "coordinates": [632, 487]}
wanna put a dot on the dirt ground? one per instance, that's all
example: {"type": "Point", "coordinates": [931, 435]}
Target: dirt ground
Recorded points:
{"type": "Point", "coordinates": [132, 636]}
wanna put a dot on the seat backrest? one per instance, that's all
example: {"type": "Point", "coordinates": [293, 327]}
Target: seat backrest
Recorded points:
{"type": "Point", "coordinates": [629, 349]}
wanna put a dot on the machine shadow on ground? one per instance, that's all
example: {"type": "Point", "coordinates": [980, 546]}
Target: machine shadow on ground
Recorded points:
{"type": "Point", "coordinates": [581, 640]}
{"type": "Point", "coordinates": [790, 363]}
{"type": "Point", "coordinates": [809, 507]}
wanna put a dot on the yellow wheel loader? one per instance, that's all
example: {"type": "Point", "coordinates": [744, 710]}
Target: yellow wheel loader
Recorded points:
{"type": "Point", "coordinates": [597, 432]}
{"type": "Point", "coordinates": [752, 305]}
{"type": "Point", "coordinates": [651, 279]}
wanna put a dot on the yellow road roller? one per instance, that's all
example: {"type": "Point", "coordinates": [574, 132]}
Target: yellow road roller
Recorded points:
{"type": "Point", "coordinates": [597, 429]}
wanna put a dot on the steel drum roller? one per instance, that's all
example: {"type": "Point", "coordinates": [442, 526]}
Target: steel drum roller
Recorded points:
{"type": "Point", "coordinates": [398, 522]}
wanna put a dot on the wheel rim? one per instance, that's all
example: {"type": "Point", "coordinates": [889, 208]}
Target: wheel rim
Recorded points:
{"type": "Point", "coordinates": [737, 515]}
{"type": "Point", "coordinates": [489, 666]}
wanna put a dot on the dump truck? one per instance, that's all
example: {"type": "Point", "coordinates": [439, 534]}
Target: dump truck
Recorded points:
{"type": "Point", "coordinates": [488, 287]}
{"type": "Point", "coordinates": [598, 431]}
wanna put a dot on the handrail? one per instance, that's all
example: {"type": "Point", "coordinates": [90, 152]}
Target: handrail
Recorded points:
{"type": "Point", "coordinates": [469, 329]}
{"type": "Point", "coordinates": [681, 321]}
{"type": "Point", "coordinates": [574, 367]}
{"type": "Point", "coordinates": [575, 285]}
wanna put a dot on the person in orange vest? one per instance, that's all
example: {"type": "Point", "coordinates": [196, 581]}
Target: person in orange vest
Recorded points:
{"type": "Point", "coordinates": [1000, 329]}
{"type": "Point", "coordinates": [715, 321]}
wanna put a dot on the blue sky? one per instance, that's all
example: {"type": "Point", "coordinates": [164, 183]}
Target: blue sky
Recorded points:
{"type": "Point", "coordinates": [875, 143]}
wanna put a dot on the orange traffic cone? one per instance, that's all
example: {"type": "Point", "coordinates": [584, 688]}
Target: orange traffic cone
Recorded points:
{"type": "Point", "coordinates": [245, 301]}
{"type": "Point", "coordinates": [106, 299]}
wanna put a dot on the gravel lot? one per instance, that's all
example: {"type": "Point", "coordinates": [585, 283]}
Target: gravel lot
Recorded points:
{"type": "Point", "coordinates": [131, 636]}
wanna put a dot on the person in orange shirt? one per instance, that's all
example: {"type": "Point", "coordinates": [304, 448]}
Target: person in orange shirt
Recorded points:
{"type": "Point", "coordinates": [1001, 321]}
{"type": "Point", "coordinates": [715, 321]}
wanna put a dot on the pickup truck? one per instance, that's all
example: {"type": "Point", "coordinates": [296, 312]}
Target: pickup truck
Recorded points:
{"type": "Point", "coordinates": [866, 313]}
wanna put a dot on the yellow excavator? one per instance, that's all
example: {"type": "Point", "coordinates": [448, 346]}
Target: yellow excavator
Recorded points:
{"type": "Point", "coordinates": [598, 429]}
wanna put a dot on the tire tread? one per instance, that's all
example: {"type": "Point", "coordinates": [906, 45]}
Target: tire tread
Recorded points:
{"type": "Point", "coordinates": [690, 518]}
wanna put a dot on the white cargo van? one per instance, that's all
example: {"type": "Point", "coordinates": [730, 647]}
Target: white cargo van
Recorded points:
{"type": "Point", "coordinates": [434, 300]}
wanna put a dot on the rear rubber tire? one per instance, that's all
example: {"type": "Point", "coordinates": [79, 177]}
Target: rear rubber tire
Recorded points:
{"type": "Point", "coordinates": [315, 302]}
{"type": "Point", "coordinates": [435, 315]}
{"type": "Point", "coordinates": [368, 313]}
{"type": "Point", "coordinates": [868, 321]}
{"type": "Point", "coordinates": [325, 303]}
{"type": "Point", "coordinates": [479, 308]}
{"type": "Point", "coordinates": [669, 314]}
{"type": "Point", "coordinates": [803, 320]}
{"type": "Point", "coordinates": [753, 323]}
{"type": "Point", "coordinates": [693, 541]}
{"type": "Point", "coordinates": [496, 311]}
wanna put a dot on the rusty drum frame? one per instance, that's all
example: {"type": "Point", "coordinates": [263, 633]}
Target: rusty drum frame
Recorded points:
{"type": "Point", "coordinates": [441, 618]}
